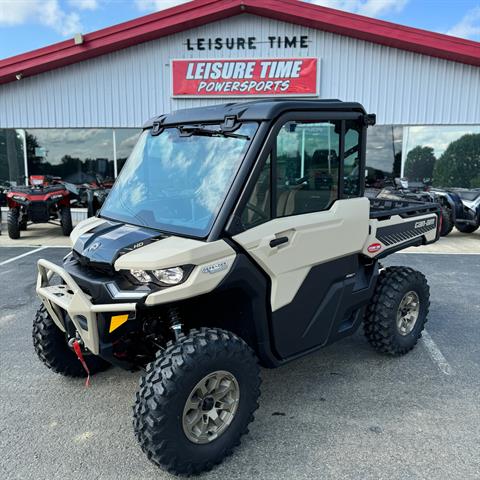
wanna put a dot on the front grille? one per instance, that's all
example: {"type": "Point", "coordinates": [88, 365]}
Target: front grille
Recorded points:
{"type": "Point", "coordinates": [38, 212]}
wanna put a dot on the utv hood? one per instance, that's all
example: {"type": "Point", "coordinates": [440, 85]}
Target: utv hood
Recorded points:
{"type": "Point", "coordinates": [100, 242]}
{"type": "Point", "coordinates": [105, 242]}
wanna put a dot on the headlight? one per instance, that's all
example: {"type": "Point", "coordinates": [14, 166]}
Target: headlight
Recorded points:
{"type": "Point", "coordinates": [141, 275]}
{"type": "Point", "coordinates": [19, 198]}
{"type": "Point", "coordinates": [56, 197]}
{"type": "Point", "coordinates": [169, 276]}
{"type": "Point", "coordinates": [163, 276]}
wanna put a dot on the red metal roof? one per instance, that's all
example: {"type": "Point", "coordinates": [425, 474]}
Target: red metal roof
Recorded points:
{"type": "Point", "coordinates": [201, 12]}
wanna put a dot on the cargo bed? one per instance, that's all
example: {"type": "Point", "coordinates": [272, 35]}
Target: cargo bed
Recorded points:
{"type": "Point", "coordinates": [399, 224]}
{"type": "Point", "coordinates": [381, 208]}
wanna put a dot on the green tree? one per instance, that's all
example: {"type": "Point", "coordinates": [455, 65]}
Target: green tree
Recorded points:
{"type": "Point", "coordinates": [459, 166]}
{"type": "Point", "coordinates": [420, 163]}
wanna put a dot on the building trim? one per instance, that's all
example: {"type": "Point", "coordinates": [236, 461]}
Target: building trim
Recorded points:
{"type": "Point", "coordinates": [201, 12]}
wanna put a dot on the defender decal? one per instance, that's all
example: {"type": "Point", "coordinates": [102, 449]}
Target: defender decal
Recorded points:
{"type": "Point", "coordinates": [216, 267]}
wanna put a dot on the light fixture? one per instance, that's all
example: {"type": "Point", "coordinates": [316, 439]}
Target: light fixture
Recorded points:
{"type": "Point", "coordinates": [141, 275]}
{"type": "Point", "coordinates": [169, 276]}
{"type": "Point", "coordinates": [19, 76]}
{"type": "Point", "coordinates": [78, 39]}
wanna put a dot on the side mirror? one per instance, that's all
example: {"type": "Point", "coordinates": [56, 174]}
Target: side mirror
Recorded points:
{"type": "Point", "coordinates": [370, 119]}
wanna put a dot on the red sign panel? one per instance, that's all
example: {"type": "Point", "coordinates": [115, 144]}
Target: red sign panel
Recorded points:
{"type": "Point", "coordinates": [244, 77]}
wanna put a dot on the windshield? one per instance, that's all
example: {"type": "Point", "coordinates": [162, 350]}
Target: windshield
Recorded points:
{"type": "Point", "coordinates": [177, 181]}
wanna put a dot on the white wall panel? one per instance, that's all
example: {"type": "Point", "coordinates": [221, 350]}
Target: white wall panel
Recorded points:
{"type": "Point", "coordinates": [125, 88]}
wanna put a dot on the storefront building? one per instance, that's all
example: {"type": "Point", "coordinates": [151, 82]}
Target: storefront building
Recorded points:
{"type": "Point", "coordinates": [75, 109]}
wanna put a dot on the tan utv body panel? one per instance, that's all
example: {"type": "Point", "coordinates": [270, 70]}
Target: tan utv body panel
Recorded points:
{"type": "Point", "coordinates": [376, 224]}
{"type": "Point", "coordinates": [176, 251]}
{"type": "Point", "coordinates": [314, 238]}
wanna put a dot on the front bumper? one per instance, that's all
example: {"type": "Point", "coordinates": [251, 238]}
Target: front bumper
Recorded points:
{"type": "Point", "coordinates": [70, 298]}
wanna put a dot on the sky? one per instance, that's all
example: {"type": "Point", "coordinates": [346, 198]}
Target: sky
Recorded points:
{"type": "Point", "coordinates": [29, 24]}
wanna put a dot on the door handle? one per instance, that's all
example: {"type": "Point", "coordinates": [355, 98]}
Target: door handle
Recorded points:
{"type": "Point", "coordinates": [276, 242]}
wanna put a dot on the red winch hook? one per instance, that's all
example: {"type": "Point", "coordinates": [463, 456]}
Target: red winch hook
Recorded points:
{"type": "Point", "coordinates": [78, 350]}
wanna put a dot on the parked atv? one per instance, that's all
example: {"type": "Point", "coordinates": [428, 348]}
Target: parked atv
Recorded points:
{"type": "Point", "coordinates": [45, 200]}
{"type": "Point", "coordinates": [463, 206]}
{"type": "Point", "coordinates": [90, 195]}
{"type": "Point", "coordinates": [4, 188]}
{"type": "Point", "coordinates": [206, 259]}
{"type": "Point", "coordinates": [403, 189]}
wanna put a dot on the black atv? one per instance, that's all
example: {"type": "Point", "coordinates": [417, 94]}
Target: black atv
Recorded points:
{"type": "Point", "coordinates": [463, 207]}
{"type": "Point", "coordinates": [403, 189]}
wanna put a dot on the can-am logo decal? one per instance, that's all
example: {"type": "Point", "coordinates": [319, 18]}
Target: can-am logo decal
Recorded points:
{"type": "Point", "coordinates": [374, 247]}
{"type": "Point", "coordinates": [93, 247]}
{"type": "Point", "coordinates": [425, 223]}
{"type": "Point", "coordinates": [245, 77]}
{"type": "Point", "coordinates": [216, 267]}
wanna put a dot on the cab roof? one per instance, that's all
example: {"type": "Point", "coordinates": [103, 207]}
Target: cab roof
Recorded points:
{"type": "Point", "coordinates": [257, 110]}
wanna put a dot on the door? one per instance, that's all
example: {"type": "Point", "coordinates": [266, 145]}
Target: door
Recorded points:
{"type": "Point", "coordinates": [305, 228]}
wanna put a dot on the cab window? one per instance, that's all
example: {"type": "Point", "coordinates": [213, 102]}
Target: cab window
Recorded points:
{"type": "Point", "coordinates": [351, 161]}
{"type": "Point", "coordinates": [307, 170]}
{"type": "Point", "coordinates": [307, 165]}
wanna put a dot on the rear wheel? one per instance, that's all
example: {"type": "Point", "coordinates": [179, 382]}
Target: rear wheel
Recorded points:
{"type": "Point", "coordinates": [66, 221]}
{"type": "Point", "coordinates": [196, 400]}
{"type": "Point", "coordinates": [397, 314]}
{"type": "Point", "coordinates": [467, 227]}
{"type": "Point", "coordinates": [13, 223]}
{"type": "Point", "coordinates": [51, 346]}
{"type": "Point", "coordinates": [447, 222]}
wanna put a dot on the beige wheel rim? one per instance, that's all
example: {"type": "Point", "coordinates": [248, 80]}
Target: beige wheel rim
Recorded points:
{"type": "Point", "coordinates": [408, 313]}
{"type": "Point", "coordinates": [211, 407]}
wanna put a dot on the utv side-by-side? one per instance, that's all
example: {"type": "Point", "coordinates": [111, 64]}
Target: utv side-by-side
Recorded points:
{"type": "Point", "coordinates": [235, 235]}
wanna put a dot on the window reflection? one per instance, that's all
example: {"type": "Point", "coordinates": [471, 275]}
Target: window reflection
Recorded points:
{"type": "Point", "coordinates": [12, 164]}
{"type": "Point", "coordinates": [125, 140]}
{"type": "Point", "coordinates": [74, 155]}
{"type": "Point", "coordinates": [384, 155]}
{"type": "Point", "coordinates": [445, 156]}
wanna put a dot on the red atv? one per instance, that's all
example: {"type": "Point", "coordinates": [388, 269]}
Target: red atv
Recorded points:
{"type": "Point", "coordinates": [46, 199]}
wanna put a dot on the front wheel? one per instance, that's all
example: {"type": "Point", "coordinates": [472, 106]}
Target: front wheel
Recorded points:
{"type": "Point", "coordinates": [52, 348]}
{"type": "Point", "coordinates": [467, 227]}
{"type": "Point", "coordinates": [196, 400]}
{"type": "Point", "coordinates": [13, 224]}
{"type": "Point", "coordinates": [398, 311]}
{"type": "Point", "coordinates": [66, 221]}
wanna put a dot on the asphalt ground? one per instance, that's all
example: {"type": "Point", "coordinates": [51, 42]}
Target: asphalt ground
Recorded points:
{"type": "Point", "coordinates": [345, 412]}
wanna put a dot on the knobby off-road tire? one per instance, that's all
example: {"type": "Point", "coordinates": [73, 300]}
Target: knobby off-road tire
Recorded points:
{"type": "Point", "coordinates": [66, 221]}
{"type": "Point", "coordinates": [51, 346]}
{"type": "Point", "coordinates": [172, 378]}
{"type": "Point", "coordinates": [447, 222]}
{"type": "Point", "coordinates": [467, 228]}
{"type": "Point", "coordinates": [396, 284]}
{"type": "Point", "coordinates": [13, 224]}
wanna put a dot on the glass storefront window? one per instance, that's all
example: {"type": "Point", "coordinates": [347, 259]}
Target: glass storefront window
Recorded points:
{"type": "Point", "coordinates": [12, 160]}
{"type": "Point", "coordinates": [384, 155]}
{"type": "Point", "coordinates": [125, 140]}
{"type": "Point", "coordinates": [74, 155]}
{"type": "Point", "coordinates": [445, 156]}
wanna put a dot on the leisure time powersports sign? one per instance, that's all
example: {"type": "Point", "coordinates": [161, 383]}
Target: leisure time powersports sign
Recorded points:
{"type": "Point", "coordinates": [245, 77]}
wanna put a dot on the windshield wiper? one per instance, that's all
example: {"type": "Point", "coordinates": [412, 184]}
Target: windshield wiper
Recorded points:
{"type": "Point", "coordinates": [189, 130]}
